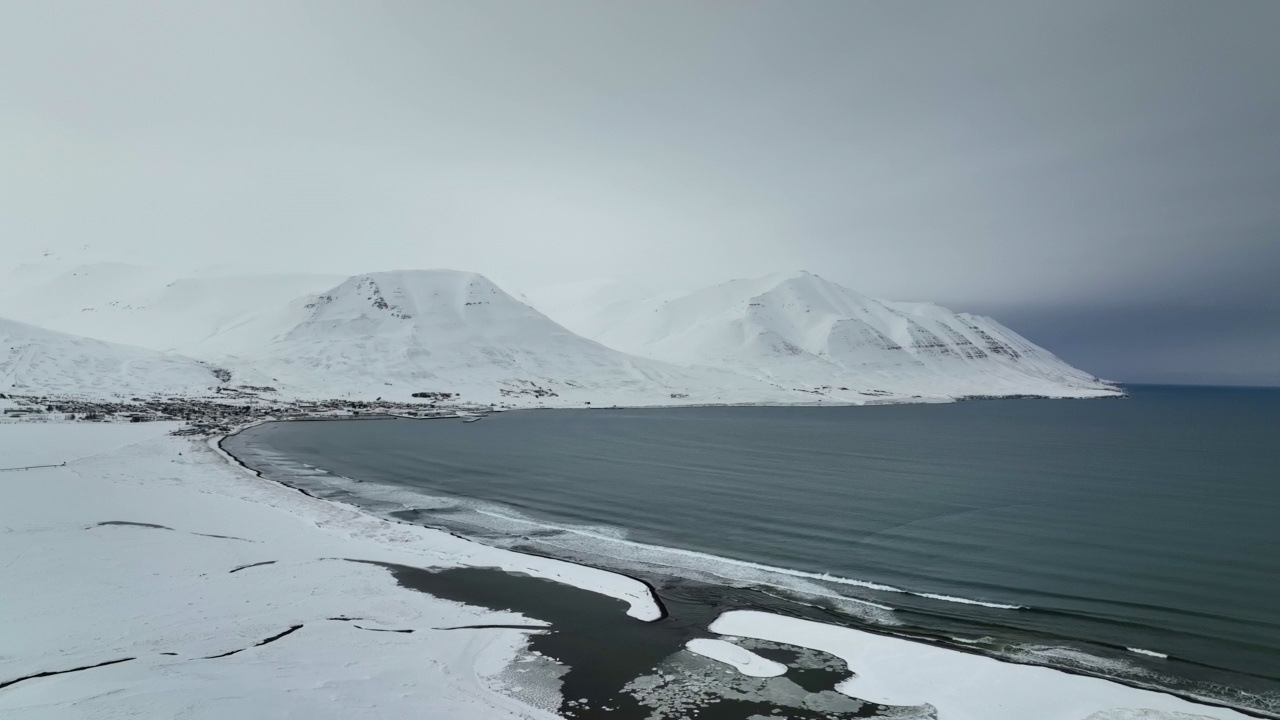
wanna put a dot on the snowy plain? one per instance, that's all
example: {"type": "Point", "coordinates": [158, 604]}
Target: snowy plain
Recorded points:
{"type": "Point", "coordinates": [961, 686]}
{"type": "Point", "coordinates": [152, 556]}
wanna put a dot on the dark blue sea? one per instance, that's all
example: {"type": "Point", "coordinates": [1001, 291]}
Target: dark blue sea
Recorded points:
{"type": "Point", "coordinates": [1135, 538]}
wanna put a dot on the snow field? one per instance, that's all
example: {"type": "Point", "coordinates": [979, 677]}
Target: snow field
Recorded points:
{"type": "Point", "coordinates": [200, 565]}
{"type": "Point", "coordinates": [960, 685]}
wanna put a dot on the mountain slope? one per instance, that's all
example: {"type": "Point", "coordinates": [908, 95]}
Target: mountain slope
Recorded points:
{"type": "Point", "coordinates": [146, 307]}
{"type": "Point", "coordinates": [395, 333]}
{"type": "Point", "coordinates": [780, 339]}
{"type": "Point", "coordinates": [35, 361]}
{"type": "Point", "coordinates": [805, 333]}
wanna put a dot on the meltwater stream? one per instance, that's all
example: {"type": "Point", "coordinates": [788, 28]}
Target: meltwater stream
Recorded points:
{"type": "Point", "coordinates": [1137, 538]}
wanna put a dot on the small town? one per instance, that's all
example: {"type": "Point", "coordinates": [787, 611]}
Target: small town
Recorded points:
{"type": "Point", "coordinates": [228, 409]}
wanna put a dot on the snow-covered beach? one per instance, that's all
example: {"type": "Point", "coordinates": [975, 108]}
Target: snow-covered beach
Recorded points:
{"type": "Point", "coordinates": [152, 553]}
{"type": "Point", "coordinates": [149, 576]}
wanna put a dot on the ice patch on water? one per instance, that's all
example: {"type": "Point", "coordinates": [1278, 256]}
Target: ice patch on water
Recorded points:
{"type": "Point", "coordinates": [741, 659]}
{"type": "Point", "coordinates": [687, 685]}
{"type": "Point", "coordinates": [896, 671]}
{"type": "Point", "coordinates": [534, 679]}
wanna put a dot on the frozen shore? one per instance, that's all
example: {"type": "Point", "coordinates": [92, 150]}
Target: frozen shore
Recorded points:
{"type": "Point", "coordinates": [152, 576]}
{"type": "Point", "coordinates": [963, 686]}
{"type": "Point", "coordinates": [187, 587]}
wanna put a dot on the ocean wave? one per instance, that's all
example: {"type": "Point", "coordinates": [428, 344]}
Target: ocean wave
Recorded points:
{"type": "Point", "coordinates": [966, 601]}
{"type": "Point", "coordinates": [608, 546]}
{"type": "Point", "coordinates": [1059, 656]}
{"type": "Point", "coordinates": [618, 536]}
{"type": "Point", "coordinates": [605, 541]}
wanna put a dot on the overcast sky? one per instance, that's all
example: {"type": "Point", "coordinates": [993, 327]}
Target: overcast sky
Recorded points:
{"type": "Point", "coordinates": [1102, 176]}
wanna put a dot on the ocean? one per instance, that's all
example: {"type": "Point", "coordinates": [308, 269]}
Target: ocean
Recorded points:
{"type": "Point", "coordinates": [1136, 539]}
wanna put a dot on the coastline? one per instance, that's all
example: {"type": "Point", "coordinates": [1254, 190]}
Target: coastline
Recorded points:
{"type": "Point", "coordinates": [789, 607]}
{"type": "Point", "coordinates": [205, 575]}
{"type": "Point", "coordinates": [198, 573]}
{"type": "Point", "coordinates": [229, 409]}
{"type": "Point", "coordinates": [654, 612]}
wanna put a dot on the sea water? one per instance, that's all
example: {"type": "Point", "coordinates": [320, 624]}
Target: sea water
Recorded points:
{"type": "Point", "coordinates": [1137, 538]}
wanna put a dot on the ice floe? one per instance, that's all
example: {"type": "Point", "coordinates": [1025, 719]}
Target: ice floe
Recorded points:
{"type": "Point", "coordinates": [745, 661]}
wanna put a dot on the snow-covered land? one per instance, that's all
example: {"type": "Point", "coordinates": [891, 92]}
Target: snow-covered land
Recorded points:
{"type": "Point", "coordinates": [147, 307]}
{"type": "Point", "coordinates": [805, 333]}
{"type": "Point", "coordinates": [777, 340]}
{"type": "Point", "coordinates": [35, 361]}
{"type": "Point", "coordinates": [149, 577]}
{"type": "Point", "coordinates": [395, 333]}
{"type": "Point", "coordinates": [189, 588]}
{"type": "Point", "coordinates": [961, 686]}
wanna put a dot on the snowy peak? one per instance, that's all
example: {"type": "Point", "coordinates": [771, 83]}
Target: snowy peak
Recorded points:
{"type": "Point", "coordinates": [803, 331]}
{"type": "Point", "coordinates": [35, 361]}
{"type": "Point", "coordinates": [784, 338]}
{"type": "Point", "coordinates": [807, 313]}
{"type": "Point", "coordinates": [396, 333]}
{"type": "Point", "coordinates": [407, 301]}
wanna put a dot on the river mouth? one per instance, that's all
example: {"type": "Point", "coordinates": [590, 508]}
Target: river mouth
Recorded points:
{"type": "Point", "coordinates": [611, 665]}
{"type": "Point", "coordinates": [979, 617]}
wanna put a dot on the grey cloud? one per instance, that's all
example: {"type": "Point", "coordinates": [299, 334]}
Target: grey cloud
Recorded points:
{"type": "Point", "coordinates": [1045, 160]}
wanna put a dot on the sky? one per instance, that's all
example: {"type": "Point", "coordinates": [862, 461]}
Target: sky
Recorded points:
{"type": "Point", "coordinates": [1103, 177]}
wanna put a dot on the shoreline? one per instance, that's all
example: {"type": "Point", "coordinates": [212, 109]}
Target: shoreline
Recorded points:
{"type": "Point", "coordinates": [151, 547]}
{"type": "Point", "coordinates": [226, 409]}
{"type": "Point", "coordinates": [215, 443]}
{"type": "Point", "coordinates": [936, 641]}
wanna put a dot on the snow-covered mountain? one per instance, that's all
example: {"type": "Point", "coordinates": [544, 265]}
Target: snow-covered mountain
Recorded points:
{"type": "Point", "coordinates": [783, 339]}
{"type": "Point", "coordinates": [35, 361]}
{"type": "Point", "coordinates": [392, 334]}
{"type": "Point", "coordinates": [147, 307]}
{"type": "Point", "coordinates": [807, 334]}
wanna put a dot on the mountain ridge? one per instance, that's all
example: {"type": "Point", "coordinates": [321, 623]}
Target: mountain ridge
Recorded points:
{"type": "Point", "coordinates": [802, 329]}
{"type": "Point", "coordinates": [393, 333]}
{"type": "Point", "coordinates": [787, 338]}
